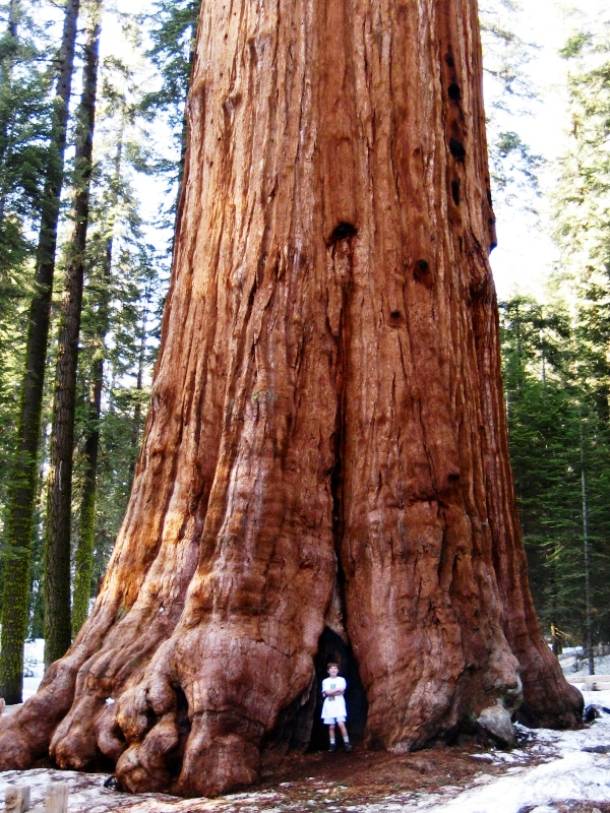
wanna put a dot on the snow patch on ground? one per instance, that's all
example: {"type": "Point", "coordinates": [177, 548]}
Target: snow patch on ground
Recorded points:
{"type": "Point", "coordinates": [87, 791]}
{"type": "Point", "coordinates": [574, 664]}
{"type": "Point", "coordinates": [34, 666]}
{"type": "Point", "coordinates": [572, 776]}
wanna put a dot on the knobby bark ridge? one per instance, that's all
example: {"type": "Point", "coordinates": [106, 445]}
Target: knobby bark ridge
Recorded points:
{"type": "Point", "coordinates": [325, 453]}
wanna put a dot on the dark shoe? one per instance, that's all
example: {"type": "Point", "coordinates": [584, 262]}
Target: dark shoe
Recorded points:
{"type": "Point", "coordinates": [332, 747]}
{"type": "Point", "coordinates": [347, 746]}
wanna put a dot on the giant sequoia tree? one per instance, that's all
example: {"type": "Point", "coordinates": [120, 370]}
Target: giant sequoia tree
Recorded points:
{"type": "Point", "coordinates": [325, 458]}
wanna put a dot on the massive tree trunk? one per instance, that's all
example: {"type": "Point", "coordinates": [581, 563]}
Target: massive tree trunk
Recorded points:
{"type": "Point", "coordinates": [57, 619]}
{"type": "Point", "coordinates": [23, 480]}
{"type": "Point", "coordinates": [325, 463]}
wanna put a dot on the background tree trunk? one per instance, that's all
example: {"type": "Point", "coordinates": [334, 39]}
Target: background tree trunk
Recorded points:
{"type": "Point", "coordinates": [10, 48]}
{"type": "Point", "coordinates": [57, 619]}
{"type": "Point", "coordinates": [23, 481]}
{"type": "Point", "coordinates": [84, 553]}
{"type": "Point", "coordinates": [325, 464]}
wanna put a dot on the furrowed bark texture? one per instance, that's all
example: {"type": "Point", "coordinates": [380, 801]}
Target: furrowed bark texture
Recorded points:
{"type": "Point", "coordinates": [326, 444]}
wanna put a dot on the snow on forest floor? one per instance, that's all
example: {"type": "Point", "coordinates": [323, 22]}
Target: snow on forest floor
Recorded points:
{"type": "Point", "coordinates": [549, 771]}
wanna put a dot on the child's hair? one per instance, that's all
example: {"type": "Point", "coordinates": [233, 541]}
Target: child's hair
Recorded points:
{"type": "Point", "coordinates": [332, 663]}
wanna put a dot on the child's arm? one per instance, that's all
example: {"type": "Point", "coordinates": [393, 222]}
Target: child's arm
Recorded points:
{"type": "Point", "coordinates": [335, 692]}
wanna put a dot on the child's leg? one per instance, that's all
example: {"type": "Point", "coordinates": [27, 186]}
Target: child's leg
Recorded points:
{"type": "Point", "coordinates": [345, 735]}
{"type": "Point", "coordinates": [331, 737]}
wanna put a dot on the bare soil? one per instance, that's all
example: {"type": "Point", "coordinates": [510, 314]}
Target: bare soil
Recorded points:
{"type": "Point", "coordinates": [340, 782]}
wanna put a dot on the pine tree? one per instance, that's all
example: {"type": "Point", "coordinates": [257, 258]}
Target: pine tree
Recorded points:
{"type": "Point", "coordinates": [174, 26]}
{"type": "Point", "coordinates": [560, 456]}
{"type": "Point", "coordinates": [583, 235]}
{"type": "Point", "coordinates": [514, 168]}
{"type": "Point", "coordinates": [120, 319]}
{"type": "Point", "coordinates": [59, 509]}
{"type": "Point", "coordinates": [86, 539]}
{"type": "Point", "coordinates": [23, 476]}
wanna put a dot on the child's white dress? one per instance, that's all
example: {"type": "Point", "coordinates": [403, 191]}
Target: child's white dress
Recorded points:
{"type": "Point", "coordinates": [333, 708]}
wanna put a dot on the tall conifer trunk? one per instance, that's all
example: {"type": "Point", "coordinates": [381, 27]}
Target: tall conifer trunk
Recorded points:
{"type": "Point", "coordinates": [325, 461]}
{"type": "Point", "coordinates": [84, 553]}
{"type": "Point", "coordinates": [10, 47]}
{"type": "Point", "coordinates": [138, 412]}
{"type": "Point", "coordinates": [57, 550]}
{"type": "Point", "coordinates": [23, 480]}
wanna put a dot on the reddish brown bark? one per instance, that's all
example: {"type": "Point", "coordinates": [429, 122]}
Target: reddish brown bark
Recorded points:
{"type": "Point", "coordinates": [326, 445]}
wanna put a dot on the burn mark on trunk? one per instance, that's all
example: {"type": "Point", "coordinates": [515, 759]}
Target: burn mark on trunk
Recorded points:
{"type": "Point", "coordinates": [456, 192]}
{"type": "Point", "coordinates": [423, 273]}
{"type": "Point", "coordinates": [457, 149]}
{"type": "Point", "coordinates": [183, 724]}
{"type": "Point", "coordinates": [342, 231]}
{"type": "Point", "coordinates": [455, 94]}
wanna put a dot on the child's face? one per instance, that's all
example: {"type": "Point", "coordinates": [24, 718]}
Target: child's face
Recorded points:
{"type": "Point", "coordinates": [333, 671]}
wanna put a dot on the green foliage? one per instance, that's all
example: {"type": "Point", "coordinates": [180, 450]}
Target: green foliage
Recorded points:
{"type": "Point", "coordinates": [121, 312]}
{"type": "Point", "coordinates": [173, 34]}
{"type": "Point", "coordinates": [126, 284]}
{"type": "Point", "coordinates": [25, 121]}
{"type": "Point", "coordinates": [173, 30]}
{"type": "Point", "coordinates": [514, 168]}
{"type": "Point", "coordinates": [583, 197]}
{"type": "Point", "coordinates": [25, 82]}
{"type": "Point", "coordinates": [558, 447]}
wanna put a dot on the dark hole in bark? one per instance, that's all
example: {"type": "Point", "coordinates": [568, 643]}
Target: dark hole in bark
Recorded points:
{"type": "Point", "coordinates": [422, 273]}
{"type": "Point", "coordinates": [183, 723]}
{"type": "Point", "coordinates": [456, 192]}
{"type": "Point", "coordinates": [455, 94]}
{"type": "Point", "coordinates": [332, 647]}
{"type": "Point", "coordinates": [292, 731]}
{"type": "Point", "coordinates": [151, 717]}
{"type": "Point", "coordinates": [342, 231]}
{"type": "Point", "coordinates": [395, 318]}
{"type": "Point", "coordinates": [457, 150]}
{"type": "Point", "coordinates": [479, 291]}
{"type": "Point", "coordinates": [103, 764]}
{"type": "Point", "coordinates": [117, 732]}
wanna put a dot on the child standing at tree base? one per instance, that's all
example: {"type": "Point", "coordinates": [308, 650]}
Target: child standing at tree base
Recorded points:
{"type": "Point", "coordinates": [333, 710]}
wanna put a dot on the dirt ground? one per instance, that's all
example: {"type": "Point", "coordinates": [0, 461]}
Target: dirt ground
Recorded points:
{"type": "Point", "coordinates": [370, 776]}
{"type": "Point", "coordinates": [341, 781]}
{"type": "Point", "coordinates": [357, 782]}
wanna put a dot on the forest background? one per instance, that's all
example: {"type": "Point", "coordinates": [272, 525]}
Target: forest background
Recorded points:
{"type": "Point", "coordinates": [92, 137]}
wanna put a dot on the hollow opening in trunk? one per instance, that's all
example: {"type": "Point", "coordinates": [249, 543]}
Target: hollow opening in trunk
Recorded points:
{"type": "Point", "coordinates": [333, 648]}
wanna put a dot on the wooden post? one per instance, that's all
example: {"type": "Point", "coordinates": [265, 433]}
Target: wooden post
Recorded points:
{"type": "Point", "coordinates": [57, 798]}
{"type": "Point", "coordinates": [17, 800]}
